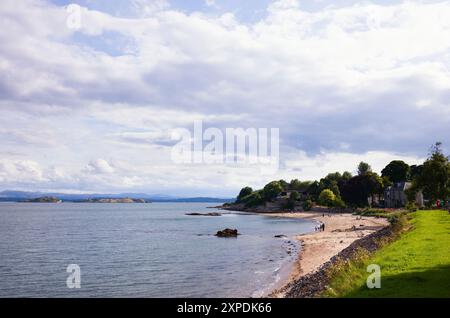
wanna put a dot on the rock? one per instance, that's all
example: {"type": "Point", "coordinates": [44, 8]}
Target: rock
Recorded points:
{"type": "Point", "coordinates": [204, 214]}
{"type": "Point", "coordinates": [227, 233]}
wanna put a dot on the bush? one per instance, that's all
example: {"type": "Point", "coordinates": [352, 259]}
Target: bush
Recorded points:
{"type": "Point", "coordinates": [327, 198]}
{"type": "Point", "coordinates": [398, 221]}
{"type": "Point", "coordinates": [290, 204]}
{"type": "Point", "coordinates": [307, 205]}
{"type": "Point", "coordinates": [339, 203]}
{"type": "Point", "coordinates": [411, 207]}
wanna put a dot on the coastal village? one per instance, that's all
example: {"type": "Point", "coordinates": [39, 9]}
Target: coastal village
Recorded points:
{"type": "Point", "coordinates": [399, 186]}
{"type": "Point", "coordinates": [401, 217]}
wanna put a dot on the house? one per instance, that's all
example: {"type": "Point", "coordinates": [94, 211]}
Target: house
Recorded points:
{"type": "Point", "coordinates": [286, 194]}
{"type": "Point", "coordinates": [395, 196]}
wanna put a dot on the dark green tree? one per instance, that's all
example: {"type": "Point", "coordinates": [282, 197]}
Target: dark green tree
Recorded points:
{"type": "Point", "coordinates": [298, 185]}
{"type": "Point", "coordinates": [284, 184]}
{"type": "Point", "coordinates": [416, 170]}
{"type": "Point", "coordinates": [434, 178]}
{"type": "Point", "coordinates": [346, 176]}
{"type": "Point", "coordinates": [293, 198]}
{"type": "Point", "coordinates": [360, 188]}
{"type": "Point", "coordinates": [397, 171]}
{"type": "Point", "coordinates": [331, 181]}
{"type": "Point", "coordinates": [307, 205]}
{"type": "Point", "coordinates": [364, 168]}
{"type": "Point", "coordinates": [254, 199]}
{"type": "Point", "coordinates": [314, 190]}
{"type": "Point", "coordinates": [243, 193]}
{"type": "Point", "coordinates": [272, 190]}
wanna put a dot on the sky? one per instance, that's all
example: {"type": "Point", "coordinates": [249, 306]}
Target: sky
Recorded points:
{"type": "Point", "coordinates": [89, 105]}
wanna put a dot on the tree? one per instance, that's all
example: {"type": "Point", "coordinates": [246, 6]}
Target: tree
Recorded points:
{"type": "Point", "coordinates": [272, 190]}
{"type": "Point", "coordinates": [358, 189]}
{"type": "Point", "coordinates": [331, 182]}
{"type": "Point", "coordinates": [307, 205]}
{"type": "Point", "coordinates": [243, 193]}
{"type": "Point", "coordinates": [415, 171]}
{"type": "Point", "coordinates": [434, 178]}
{"type": "Point", "coordinates": [364, 168]}
{"type": "Point", "coordinates": [314, 190]}
{"type": "Point", "coordinates": [254, 199]}
{"type": "Point", "coordinates": [299, 185]}
{"type": "Point", "coordinates": [346, 176]}
{"type": "Point", "coordinates": [283, 184]}
{"type": "Point", "coordinates": [294, 196]}
{"type": "Point", "coordinates": [327, 198]}
{"type": "Point", "coordinates": [397, 171]}
{"type": "Point", "coordinates": [375, 185]}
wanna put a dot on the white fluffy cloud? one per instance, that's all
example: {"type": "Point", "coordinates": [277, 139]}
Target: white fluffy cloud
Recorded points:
{"type": "Point", "coordinates": [362, 81]}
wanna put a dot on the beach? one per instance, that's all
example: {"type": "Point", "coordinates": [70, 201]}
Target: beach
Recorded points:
{"type": "Point", "coordinates": [317, 248]}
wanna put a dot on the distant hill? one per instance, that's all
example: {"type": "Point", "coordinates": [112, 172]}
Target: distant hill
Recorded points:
{"type": "Point", "coordinates": [11, 195]}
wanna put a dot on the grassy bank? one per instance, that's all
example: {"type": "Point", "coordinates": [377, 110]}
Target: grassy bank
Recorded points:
{"type": "Point", "coordinates": [415, 265]}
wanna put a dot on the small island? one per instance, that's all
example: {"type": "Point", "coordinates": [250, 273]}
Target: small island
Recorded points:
{"type": "Point", "coordinates": [44, 200]}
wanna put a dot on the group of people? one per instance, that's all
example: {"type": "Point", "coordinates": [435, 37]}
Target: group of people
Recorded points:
{"type": "Point", "coordinates": [320, 227]}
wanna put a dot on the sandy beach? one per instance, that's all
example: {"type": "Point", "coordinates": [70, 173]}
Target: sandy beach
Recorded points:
{"type": "Point", "coordinates": [341, 230]}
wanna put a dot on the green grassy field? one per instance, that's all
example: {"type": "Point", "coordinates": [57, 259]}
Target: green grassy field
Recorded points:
{"type": "Point", "coordinates": [416, 265]}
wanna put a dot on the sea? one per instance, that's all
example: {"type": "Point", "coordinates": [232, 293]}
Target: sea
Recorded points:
{"type": "Point", "coordinates": [142, 250]}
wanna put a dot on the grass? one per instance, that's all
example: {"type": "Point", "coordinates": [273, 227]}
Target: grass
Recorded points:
{"type": "Point", "coordinates": [384, 213]}
{"type": "Point", "coordinates": [417, 264]}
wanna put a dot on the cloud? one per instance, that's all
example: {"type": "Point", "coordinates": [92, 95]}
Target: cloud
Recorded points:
{"type": "Point", "coordinates": [20, 171]}
{"type": "Point", "coordinates": [99, 166]}
{"type": "Point", "coordinates": [355, 80]}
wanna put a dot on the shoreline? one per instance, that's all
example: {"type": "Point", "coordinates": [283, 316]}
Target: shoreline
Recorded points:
{"type": "Point", "coordinates": [318, 248]}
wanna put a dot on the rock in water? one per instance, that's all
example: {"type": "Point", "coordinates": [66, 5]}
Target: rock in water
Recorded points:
{"type": "Point", "coordinates": [227, 233]}
{"type": "Point", "coordinates": [204, 214]}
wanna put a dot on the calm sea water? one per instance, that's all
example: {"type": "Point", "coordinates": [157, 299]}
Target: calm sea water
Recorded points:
{"type": "Point", "coordinates": [140, 250]}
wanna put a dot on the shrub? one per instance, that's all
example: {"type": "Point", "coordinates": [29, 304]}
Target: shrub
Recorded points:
{"type": "Point", "coordinates": [411, 207]}
{"type": "Point", "coordinates": [339, 203]}
{"type": "Point", "coordinates": [327, 198]}
{"type": "Point", "coordinates": [307, 205]}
